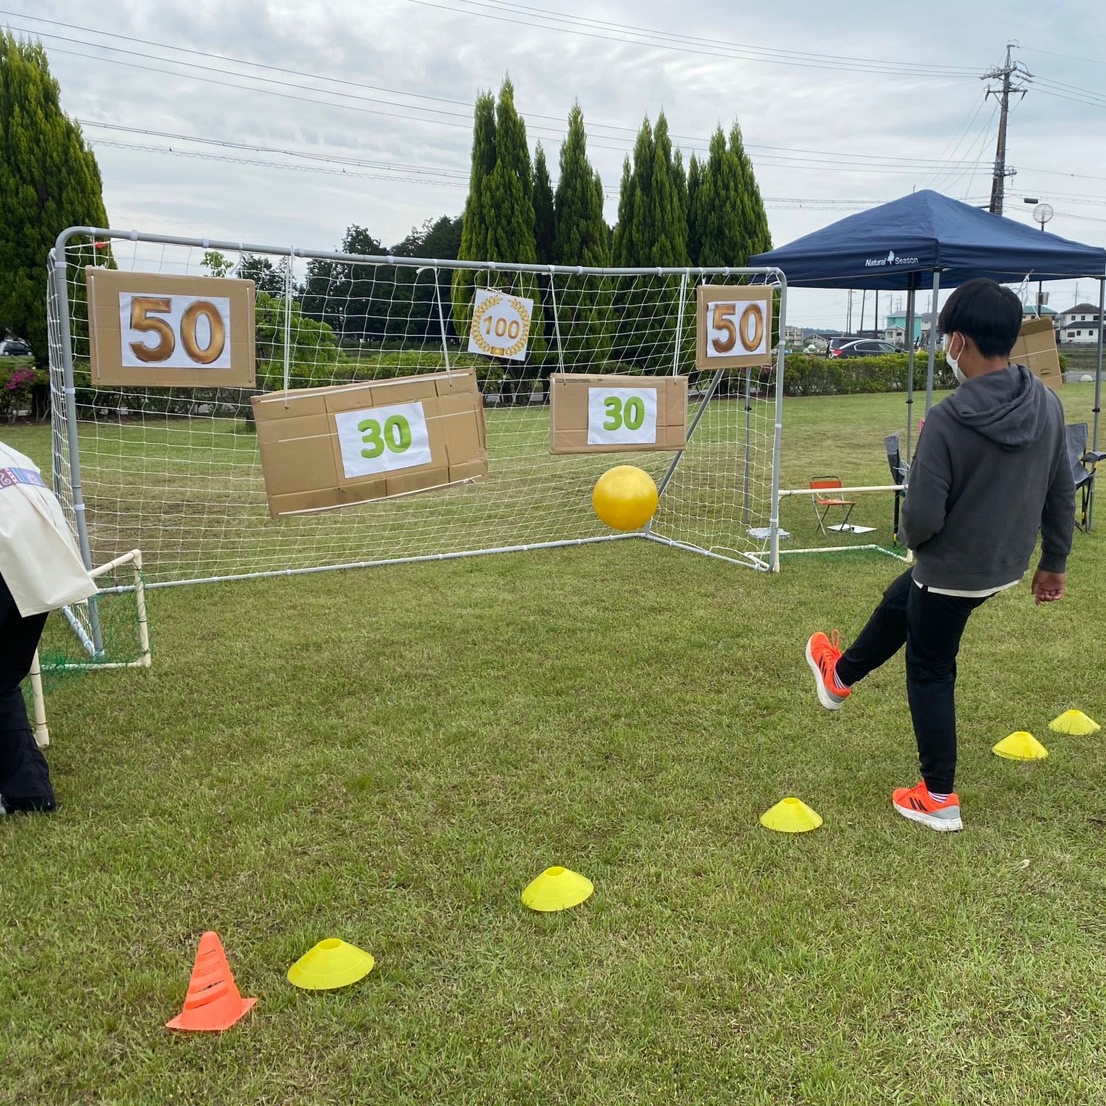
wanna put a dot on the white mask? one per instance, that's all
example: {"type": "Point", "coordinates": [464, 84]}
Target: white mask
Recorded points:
{"type": "Point", "coordinates": [952, 362]}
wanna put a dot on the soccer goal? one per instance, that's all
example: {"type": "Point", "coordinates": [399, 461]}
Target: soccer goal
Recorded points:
{"type": "Point", "coordinates": [177, 469]}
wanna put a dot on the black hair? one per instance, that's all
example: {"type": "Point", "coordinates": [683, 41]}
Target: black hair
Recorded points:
{"type": "Point", "coordinates": [987, 313]}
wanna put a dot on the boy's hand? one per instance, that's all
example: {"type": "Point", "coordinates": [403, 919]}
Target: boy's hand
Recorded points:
{"type": "Point", "coordinates": [1047, 586]}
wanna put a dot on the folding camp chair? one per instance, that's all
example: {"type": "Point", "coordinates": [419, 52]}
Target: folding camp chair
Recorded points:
{"type": "Point", "coordinates": [899, 469]}
{"type": "Point", "coordinates": [823, 504]}
{"type": "Point", "coordinates": [1083, 465]}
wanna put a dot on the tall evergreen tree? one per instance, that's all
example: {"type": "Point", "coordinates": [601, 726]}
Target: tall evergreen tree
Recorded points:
{"type": "Point", "coordinates": [758, 238]}
{"type": "Point", "coordinates": [720, 227]}
{"type": "Point", "coordinates": [582, 239]}
{"type": "Point", "coordinates": [474, 221]}
{"type": "Point", "coordinates": [667, 212]}
{"type": "Point", "coordinates": [633, 237]}
{"type": "Point", "coordinates": [501, 201]}
{"type": "Point", "coordinates": [510, 187]}
{"type": "Point", "coordinates": [679, 179]}
{"type": "Point", "coordinates": [581, 231]}
{"type": "Point", "coordinates": [732, 221]}
{"type": "Point", "coordinates": [49, 180]}
{"type": "Point", "coordinates": [694, 210]}
{"type": "Point", "coordinates": [474, 224]}
{"type": "Point", "coordinates": [652, 231]}
{"type": "Point", "coordinates": [545, 219]}
{"type": "Point", "coordinates": [622, 238]}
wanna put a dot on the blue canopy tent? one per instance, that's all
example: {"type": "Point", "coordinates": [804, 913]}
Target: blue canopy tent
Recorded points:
{"type": "Point", "coordinates": [929, 240]}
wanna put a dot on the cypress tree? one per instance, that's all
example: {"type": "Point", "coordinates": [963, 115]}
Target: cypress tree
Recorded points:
{"type": "Point", "coordinates": [545, 220]}
{"type": "Point", "coordinates": [622, 239]}
{"type": "Point", "coordinates": [758, 238]}
{"type": "Point", "coordinates": [584, 304]}
{"type": "Point", "coordinates": [581, 231]}
{"type": "Point", "coordinates": [49, 180]}
{"type": "Point", "coordinates": [502, 202]}
{"type": "Point", "coordinates": [694, 212]}
{"type": "Point", "coordinates": [721, 225]}
{"type": "Point", "coordinates": [653, 206]}
{"type": "Point", "coordinates": [667, 212]}
{"type": "Point", "coordinates": [474, 221]}
{"type": "Point", "coordinates": [732, 221]}
{"type": "Point", "coordinates": [510, 187]}
{"type": "Point", "coordinates": [679, 179]}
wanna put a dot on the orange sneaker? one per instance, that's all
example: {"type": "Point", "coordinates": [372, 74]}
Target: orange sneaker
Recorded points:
{"type": "Point", "coordinates": [822, 654]}
{"type": "Point", "coordinates": [917, 804]}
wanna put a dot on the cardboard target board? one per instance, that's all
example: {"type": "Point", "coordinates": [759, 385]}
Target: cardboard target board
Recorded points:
{"type": "Point", "coordinates": [733, 326]}
{"type": "Point", "coordinates": [152, 330]}
{"type": "Point", "coordinates": [323, 448]}
{"type": "Point", "coordinates": [1036, 349]}
{"type": "Point", "coordinates": [593, 413]}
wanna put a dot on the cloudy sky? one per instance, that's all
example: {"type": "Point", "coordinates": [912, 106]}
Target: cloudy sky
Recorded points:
{"type": "Point", "coordinates": [284, 121]}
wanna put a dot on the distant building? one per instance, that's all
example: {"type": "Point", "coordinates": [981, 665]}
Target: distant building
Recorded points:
{"type": "Point", "coordinates": [1079, 325]}
{"type": "Point", "coordinates": [894, 326]}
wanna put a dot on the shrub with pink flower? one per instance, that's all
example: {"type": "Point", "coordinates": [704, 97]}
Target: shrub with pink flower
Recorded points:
{"type": "Point", "coordinates": [16, 387]}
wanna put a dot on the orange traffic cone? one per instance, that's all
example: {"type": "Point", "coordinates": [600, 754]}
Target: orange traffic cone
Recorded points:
{"type": "Point", "coordinates": [213, 1001]}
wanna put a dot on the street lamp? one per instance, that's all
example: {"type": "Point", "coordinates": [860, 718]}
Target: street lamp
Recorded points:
{"type": "Point", "coordinates": [1042, 213]}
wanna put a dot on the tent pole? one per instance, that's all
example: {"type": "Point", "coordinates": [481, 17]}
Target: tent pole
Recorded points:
{"type": "Point", "coordinates": [932, 339]}
{"type": "Point", "coordinates": [1097, 386]}
{"type": "Point", "coordinates": [909, 368]}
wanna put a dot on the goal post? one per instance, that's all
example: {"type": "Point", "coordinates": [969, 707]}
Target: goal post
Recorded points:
{"type": "Point", "coordinates": [173, 464]}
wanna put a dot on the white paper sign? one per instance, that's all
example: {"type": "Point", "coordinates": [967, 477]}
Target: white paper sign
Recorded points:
{"type": "Point", "coordinates": [622, 416]}
{"type": "Point", "coordinates": [500, 324]}
{"type": "Point", "coordinates": [175, 332]}
{"type": "Point", "coordinates": [383, 439]}
{"type": "Point", "coordinates": [739, 328]}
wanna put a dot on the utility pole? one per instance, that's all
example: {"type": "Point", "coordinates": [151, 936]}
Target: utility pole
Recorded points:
{"type": "Point", "coordinates": [1010, 69]}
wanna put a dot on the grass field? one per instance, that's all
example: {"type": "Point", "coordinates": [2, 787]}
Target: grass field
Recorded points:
{"type": "Point", "coordinates": [389, 756]}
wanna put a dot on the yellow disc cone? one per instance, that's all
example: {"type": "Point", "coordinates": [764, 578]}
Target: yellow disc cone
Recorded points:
{"type": "Point", "coordinates": [1020, 746]}
{"type": "Point", "coordinates": [557, 889]}
{"type": "Point", "coordinates": [331, 963]}
{"type": "Point", "coordinates": [791, 816]}
{"type": "Point", "coordinates": [1074, 722]}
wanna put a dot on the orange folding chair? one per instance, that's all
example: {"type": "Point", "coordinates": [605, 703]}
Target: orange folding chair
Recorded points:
{"type": "Point", "coordinates": [824, 503]}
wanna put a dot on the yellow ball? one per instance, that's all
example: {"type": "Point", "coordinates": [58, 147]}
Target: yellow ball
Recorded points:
{"type": "Point", "coordinates": [625, 497]}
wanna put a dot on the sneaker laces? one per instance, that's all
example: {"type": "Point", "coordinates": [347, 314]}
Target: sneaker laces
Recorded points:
{"type": "Point", "coordinates": [835, 641]}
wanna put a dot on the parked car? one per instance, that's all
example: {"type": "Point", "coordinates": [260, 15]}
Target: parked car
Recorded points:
{"type": "Point", "coordinates": [14, 347]}
{"type": "Point", "coordinates": [862, 347]}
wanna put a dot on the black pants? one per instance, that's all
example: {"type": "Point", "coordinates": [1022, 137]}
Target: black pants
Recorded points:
{"type": "Point", "coordinates": [930, 626]}
{"type": "Point", "coordinates": [24, 777]}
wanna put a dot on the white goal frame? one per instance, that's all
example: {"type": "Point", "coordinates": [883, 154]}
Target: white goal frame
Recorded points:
{"type": "Point", "coordinates": [67, 445]}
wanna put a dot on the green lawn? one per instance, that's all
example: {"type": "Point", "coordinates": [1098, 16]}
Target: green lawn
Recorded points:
{"type": "Point", "coordinates": [390, 755]}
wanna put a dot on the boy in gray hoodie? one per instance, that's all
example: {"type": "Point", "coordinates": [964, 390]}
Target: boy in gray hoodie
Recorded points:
{"type": "Point", "coordinates": [989, 473]}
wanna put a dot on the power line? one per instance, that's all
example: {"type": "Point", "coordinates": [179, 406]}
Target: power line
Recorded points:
{"type": "Point", "coordinates": [618, 32]}
{"type": "Point", "coordinates": [906, 163]}
{"type": "Point", "coordinates": [1069, 57]}
{"type": "Point", "coordinates": [790, 202]}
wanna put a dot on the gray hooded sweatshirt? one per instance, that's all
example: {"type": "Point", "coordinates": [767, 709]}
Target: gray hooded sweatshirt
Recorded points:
{"type": "Point", "coordinates": [990, 471]}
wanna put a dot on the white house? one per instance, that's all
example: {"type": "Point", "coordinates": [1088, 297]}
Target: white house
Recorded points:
{"type": "Point", "coordinates": [1078, 325]}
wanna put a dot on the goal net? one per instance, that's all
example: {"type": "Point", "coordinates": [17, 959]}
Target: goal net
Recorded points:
{"type": "Point", "coordinates": [177, 471]}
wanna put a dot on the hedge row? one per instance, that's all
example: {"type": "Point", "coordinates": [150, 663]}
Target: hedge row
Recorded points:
{"type": "Point", "coordinates": [804, 375]}
{"type": "Point", "coordinates": [814, 375]}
